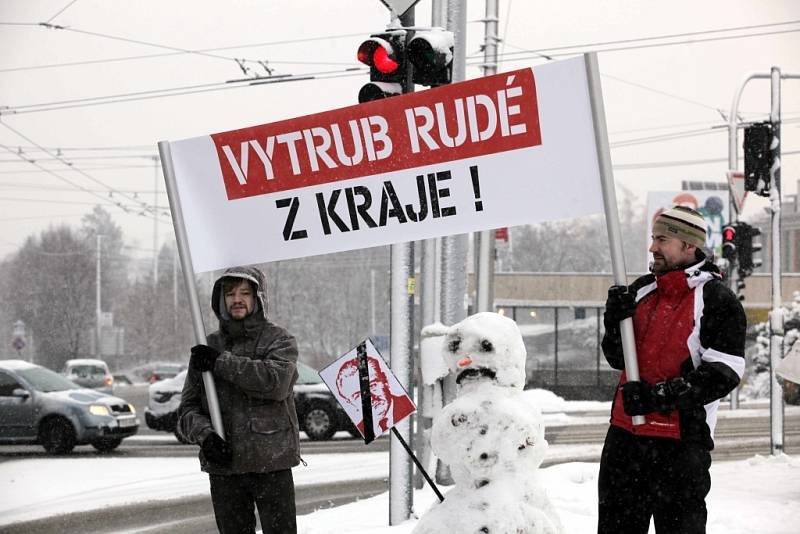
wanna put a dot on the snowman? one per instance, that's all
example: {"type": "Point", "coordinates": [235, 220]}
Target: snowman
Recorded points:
{"type": "Point", "coordinates": [490, 436]}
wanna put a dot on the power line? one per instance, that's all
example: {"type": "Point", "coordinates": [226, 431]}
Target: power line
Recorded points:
{"type": "Point", "coordinates": [663, 93]}
{"type": "Point", "coordinates": [61, 11]}
{"type": "Point", "coordinates": [67, 163]}
{"type": "Point", "coordinates": [536, 54]}
{"type": "Point", "coordinates": [143, 43]}
{"type": "Point", "coordinates": [168, 54]}
{"type": "Point", "coordinates": [85, 167]}
{"type": "Point", "coordinates": [683, 163]}
{"type": "Point", "coordinates": [667, 36]}
{"type": "Point", "coordinates": [177, 91]}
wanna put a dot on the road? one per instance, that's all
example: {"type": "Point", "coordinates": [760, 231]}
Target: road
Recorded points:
{"type": "Point", "coordinates": [736, 438]}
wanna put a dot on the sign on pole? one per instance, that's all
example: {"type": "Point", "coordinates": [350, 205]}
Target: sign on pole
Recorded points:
{"type": "Point", "coordinates": [736, 186]}
{"type": "Point", "coordinates": [504, 150]}
{"type": "Point", "coordinates": [365, 386]}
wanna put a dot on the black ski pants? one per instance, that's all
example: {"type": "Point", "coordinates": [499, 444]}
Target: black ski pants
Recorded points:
{"type": "Point", "coordinates": [643, 477]}
{"type": "Point", "coordinates": [234, 497]}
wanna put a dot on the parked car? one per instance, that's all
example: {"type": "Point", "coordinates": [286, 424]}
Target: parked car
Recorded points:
{"type": "Point", "coordinates": [318, 413]}
{"type": "Point", "coordinates": [90, 373]}
{"type": "Point", "coordinates": [164, 371]}
{"type": "Point", "coordinates": [40, 406]}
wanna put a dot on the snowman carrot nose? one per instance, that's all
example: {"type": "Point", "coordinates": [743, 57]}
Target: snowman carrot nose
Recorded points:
{"type": "Point", "coordinates": [465, 361]}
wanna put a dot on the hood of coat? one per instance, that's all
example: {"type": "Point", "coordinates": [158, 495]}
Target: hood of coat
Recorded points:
{"type": "Point", "coordinates": [252, 274]}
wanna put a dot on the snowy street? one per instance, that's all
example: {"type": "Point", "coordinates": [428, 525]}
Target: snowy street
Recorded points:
{"type": "Point", "coordinates": [760, 494]}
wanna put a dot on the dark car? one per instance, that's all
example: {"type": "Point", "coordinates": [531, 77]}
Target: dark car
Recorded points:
{"type": "Point", "coordinates": [318, 413]}
{"type": "Point", "coordinates": [40, 406]}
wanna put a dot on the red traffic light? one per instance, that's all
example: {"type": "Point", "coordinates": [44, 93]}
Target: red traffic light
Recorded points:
{"type": "Point", "coordinates": [378, 53]}
{"type": "Point", "coordinates": [728, 234]}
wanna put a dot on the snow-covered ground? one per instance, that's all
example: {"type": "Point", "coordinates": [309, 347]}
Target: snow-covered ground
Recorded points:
{"type": "Point", "coordinates": [761, 494]}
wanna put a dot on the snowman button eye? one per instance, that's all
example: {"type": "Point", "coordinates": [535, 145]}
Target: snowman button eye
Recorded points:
{"type": "Point", "coordinates": [454, 345]}
{"type": "Point", "coordinates": [486, 346]}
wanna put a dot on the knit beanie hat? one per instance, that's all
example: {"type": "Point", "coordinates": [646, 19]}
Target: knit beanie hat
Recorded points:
{"type": "Point", "coordinates": [684, 223]}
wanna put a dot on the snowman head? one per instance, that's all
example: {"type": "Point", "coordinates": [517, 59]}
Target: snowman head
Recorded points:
{"type": "Point", "coordinates": [486, 347]}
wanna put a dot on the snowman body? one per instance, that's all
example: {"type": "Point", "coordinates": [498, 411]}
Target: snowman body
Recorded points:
{"type": "Point", "coordinates": [490, 436]}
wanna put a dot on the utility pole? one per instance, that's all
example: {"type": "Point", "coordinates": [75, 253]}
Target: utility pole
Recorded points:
{"type": "Point", "coordinates": [484, 240]}
{"type": "Point", "coordinates": [155, 221]}
{"type": "Point", "coordinates": [98, 336]}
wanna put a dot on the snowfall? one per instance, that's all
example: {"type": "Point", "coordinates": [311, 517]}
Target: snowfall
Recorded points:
{"type": "Point", "coordinates": [760, 494]}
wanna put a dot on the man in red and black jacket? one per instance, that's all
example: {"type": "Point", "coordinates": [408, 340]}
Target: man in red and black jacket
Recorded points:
{"type": "Point", "coordinates": [690, 333]}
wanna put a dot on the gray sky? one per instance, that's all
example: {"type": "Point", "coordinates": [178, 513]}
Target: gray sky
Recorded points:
{"type": "Point", "coordinates": [650, 91]}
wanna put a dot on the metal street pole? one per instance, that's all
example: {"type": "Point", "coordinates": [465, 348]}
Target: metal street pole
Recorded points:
{"type": "Point", "coordinates": [484, 241]}
{"type": "Point", "coordinates": [155, 221]}
{"type": "Point", "coordinates": [401, 338]}
{"type": "Point", "coordinates": [188, 277]}
{"type": "Point", "coordinates": [98, 309]}
{"type": "Point", "coordinates": [776, 316]}
{"type": "Point", "coordinates": [454, 248]}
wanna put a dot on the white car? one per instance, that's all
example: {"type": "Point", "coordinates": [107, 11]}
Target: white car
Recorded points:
{"type": "Point", "coordinates": [164, 397]}
{"type": "Point", "coordinates": [90, 373]}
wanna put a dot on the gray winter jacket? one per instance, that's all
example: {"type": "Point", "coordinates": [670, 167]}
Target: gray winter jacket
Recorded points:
{"type": "Point", "coordinates": [254, 377]}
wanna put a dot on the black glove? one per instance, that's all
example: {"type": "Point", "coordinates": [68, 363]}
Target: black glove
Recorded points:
{"type": "Point", "coordinates": [203, 358]}
{"type": "Point", "coordinates": [620, 305]}
{"type": "Point", "coordinates": [637, 398]}
{"type": "Point", "coordinates": [640, 398]}
{"type": "Point", "coordinates": [216, 450]}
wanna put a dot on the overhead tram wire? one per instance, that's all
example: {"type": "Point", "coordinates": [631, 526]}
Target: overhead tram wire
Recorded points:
{"type": "Point", "coordinates": [178, 91]}
{"type": "Point", "coordinates": [169, 54]}
{"type": "Point", "coordinates": [667, 36]}
{"type": "Point", "coordinates": [218, 86]}
{"type": "Point", "coordinates": [537, 54]}
{"type": "Point", "coordinates": [143, 204]}
{"type": "Point", "coordinates": [682, 163]}
{"type": "Point", "coordinates": [60, 11]}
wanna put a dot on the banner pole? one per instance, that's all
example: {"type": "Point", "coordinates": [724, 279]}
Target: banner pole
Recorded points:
{"type": "Point", "coordinates": [188, 277]}
{"type": "Point", "coordinates": [612, 215]}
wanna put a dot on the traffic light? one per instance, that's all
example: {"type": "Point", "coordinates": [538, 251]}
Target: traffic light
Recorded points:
{"type": "Point", "coordinates": [746, 248]}
{"type": "Point", "coordinates": [385, 54]}
{"type": "Point", "coordinates": [758, 157]}
{"type": "Point", "coordinates": [431, 54]}
{"type": "Point", "coordinates": [729, 243]}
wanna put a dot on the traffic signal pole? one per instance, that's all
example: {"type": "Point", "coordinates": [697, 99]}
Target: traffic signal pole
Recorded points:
{"type": "Point", "coordinates": [484, 241]}
{"type": "Point", "coordinates": [776, 319]}
{"type": "Point", "coordinates": [402, 285]}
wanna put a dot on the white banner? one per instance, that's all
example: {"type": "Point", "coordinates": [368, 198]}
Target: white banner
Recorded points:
{"type": "Point", "coordinates": [510, 149]}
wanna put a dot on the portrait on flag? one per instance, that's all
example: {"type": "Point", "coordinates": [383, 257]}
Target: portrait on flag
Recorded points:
{"type": "Point", "coordinates": [389, 401]}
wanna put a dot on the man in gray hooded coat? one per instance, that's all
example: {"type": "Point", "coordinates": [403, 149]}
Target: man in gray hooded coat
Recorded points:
{"type": "Point", "coordinates": [254, 364]}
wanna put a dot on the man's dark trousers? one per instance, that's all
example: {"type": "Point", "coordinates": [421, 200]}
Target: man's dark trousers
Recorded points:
{"type": "Point", "coordinates": [273, 493]}
{"type": "Point", "coordinates": [643, 476]}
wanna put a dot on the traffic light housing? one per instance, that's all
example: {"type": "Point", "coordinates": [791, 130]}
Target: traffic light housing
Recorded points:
{"type": "Point", "coordinates": [431, 54]}
{"type": "Point", "coordinates": [758, 157]}
{"type": "Point", "coordinates": [729, 243]}
{"type": "Point", "coordinates": [746, 249]}
{"type": "Point", "coordinates": [385, 54]}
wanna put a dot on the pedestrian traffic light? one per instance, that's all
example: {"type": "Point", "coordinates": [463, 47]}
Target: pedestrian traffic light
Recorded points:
{"type": "Point", "coordinates": [729, 243]}
{"type": "Point", "coordinates": [431, 54]}
{"type": "Point", "coordinates": [746, 248]}
{"type": "Point", "coordinates": [758, 157]}
{"type": "Point", "coordinates": [385, 54]}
